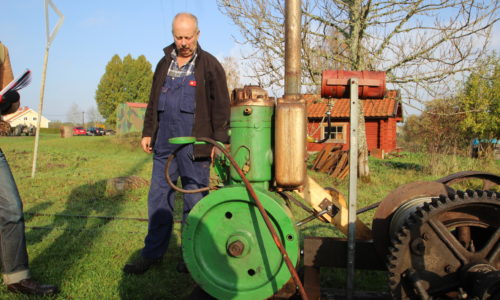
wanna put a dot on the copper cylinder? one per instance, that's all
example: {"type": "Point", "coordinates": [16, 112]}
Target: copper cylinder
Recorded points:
{"type": "Point", "coordinates": [334, 84]}
{"type": "Point", "coordinates": [290, 143]}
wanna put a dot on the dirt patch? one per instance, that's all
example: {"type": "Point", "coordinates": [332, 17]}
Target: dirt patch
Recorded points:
{"type": "Point", "coordinates": [119, 185]}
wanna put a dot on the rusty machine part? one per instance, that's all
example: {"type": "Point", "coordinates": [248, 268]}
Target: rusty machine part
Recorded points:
{"type": "Point", "coordinates": [489, 180]}
{"type": "Point", "coordinates": [251, 95]}
{"type": "Point", "coordinates": [395, 199]}
{"type": "Point", "coordinates": [448, 248]}
{"type": "Point", "coordinates": [334, 84]}
{"type": "Point", "coordinates": [290, 115]}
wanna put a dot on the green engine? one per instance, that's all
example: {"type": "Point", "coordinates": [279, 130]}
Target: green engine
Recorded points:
{"type": "Point", "coordinates": [226, 244]}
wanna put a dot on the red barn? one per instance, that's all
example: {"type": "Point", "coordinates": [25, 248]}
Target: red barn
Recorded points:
{"type": "Point", "coordinates": [381, 116]}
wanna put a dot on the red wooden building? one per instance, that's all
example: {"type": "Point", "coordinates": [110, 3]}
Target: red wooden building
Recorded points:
{"type": "Point", "coordinates": [381, 116]}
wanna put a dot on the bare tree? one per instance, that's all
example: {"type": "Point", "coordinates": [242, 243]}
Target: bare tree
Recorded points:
{"type": "Point", "coordinates": [94, 116]}
{"type": "Point", "coordinates": [232, 69]}
{"type": "Point", "coordinates": [421, 44]}
{"type": "Point", "coordinates": [74, 114]}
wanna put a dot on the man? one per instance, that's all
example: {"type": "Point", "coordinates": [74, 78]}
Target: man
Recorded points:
{"type": "Point", "coordinates": [13, 254]}
{"type": "Point", "coordinates": [188, 98]}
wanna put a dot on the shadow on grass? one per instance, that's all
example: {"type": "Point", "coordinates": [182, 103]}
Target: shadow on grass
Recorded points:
{"type": "Point", "coordinates": [78, 236]}
{"type": "Point", "coordinates": [402, 165]}
{"type": "Point", "coordinates": [161, 281]}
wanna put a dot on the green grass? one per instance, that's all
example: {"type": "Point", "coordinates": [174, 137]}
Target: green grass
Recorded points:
{"type": "Point", "coordinates": [84, 256]}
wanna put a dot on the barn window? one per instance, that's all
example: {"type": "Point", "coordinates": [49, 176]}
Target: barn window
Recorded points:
{"type": "Point", "coordinates": [34, 118]}
{"type": "Point", "coordinates": [337, 133]}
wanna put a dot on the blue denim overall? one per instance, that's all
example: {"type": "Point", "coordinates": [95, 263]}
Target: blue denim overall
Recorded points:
{"type": "Point", "coordinates": [176, 110]}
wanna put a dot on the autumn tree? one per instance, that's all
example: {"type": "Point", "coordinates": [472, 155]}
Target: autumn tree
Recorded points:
{"type": "Point", "coordinates": [127, 80]}
{"type": "Point", "coordinates": [479, 100]}
{"type": "Point", "coordinates": [436, 129]}
{"type": "Point", "coordinates": [421, 44]}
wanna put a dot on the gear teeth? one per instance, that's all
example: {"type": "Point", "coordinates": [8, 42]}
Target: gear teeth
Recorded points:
{"type": "Point", "coordinates": [391, 257]}
{"type": "Point", "coordinates": [419, 212]}
{"type": "Point", "coordinates": [435, 202]}
{"type": "Point", "coordinates": [397, 259]}
{"type": "Point", "coordinates": [393, 249]}
{"type": "Point", "coordinates": [426, 207]}
{"type": "Point", "coordinates": [395, 240]}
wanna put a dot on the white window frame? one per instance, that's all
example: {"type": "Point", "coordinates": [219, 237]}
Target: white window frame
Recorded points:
{"type": "Point", "coordinates": [336, 139]}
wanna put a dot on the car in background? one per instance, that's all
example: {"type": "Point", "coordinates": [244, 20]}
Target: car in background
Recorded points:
{"type": "Point", "coordinates": [95, 131]}
{"type": "Point", "coordinates": [110, 132]}
{"type": "Point", "coordinates": [79, 131]}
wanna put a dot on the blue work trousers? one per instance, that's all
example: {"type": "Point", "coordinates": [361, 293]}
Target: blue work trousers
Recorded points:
{"type": "Point", "coordinates": [13, 254]}
{"type": "Point", "coordinates": [176, 118]}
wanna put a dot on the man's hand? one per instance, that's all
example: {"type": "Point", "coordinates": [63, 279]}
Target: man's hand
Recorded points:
{"type": "Point", "coordinates": [146, 144]}
{"type": "Point", "coordinates": [9, 103]}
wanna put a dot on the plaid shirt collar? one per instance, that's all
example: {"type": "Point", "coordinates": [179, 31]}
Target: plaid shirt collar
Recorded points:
{"type": "Point", "coordinates": [175, 71]}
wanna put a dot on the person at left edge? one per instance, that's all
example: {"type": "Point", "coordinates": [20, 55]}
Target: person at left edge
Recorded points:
{"type": "Point", "coordinates": [189, 97]}
{"type": "Point", "coordinates": [13, 254]}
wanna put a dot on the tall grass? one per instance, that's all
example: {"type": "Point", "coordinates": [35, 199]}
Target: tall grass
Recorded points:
{"type": "Point", "coordinates": [84, 256]}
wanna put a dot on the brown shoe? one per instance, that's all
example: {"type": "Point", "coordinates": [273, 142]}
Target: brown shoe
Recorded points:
{"type": "Point", "coordinates": [31, 287]}
{"type": "Point", "coordinates": [140, 265]}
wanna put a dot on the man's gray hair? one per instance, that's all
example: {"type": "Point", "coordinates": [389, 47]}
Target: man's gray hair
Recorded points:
{"type": "Point", "coordinates": [185, 14]}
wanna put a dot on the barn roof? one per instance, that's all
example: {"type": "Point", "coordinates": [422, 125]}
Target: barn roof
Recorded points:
{"type": "Point", "coordinates": [21, 111]}
{"type": "Point", "coordinates": [390, 106]}
{"type": "Point", "coordinates": [136, 104]}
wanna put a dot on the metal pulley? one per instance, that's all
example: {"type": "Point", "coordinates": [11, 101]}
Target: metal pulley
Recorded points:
{"type": "Point", "coordinates": [334, 84]}
{"type": "Point", "coordinates": [228, 249]}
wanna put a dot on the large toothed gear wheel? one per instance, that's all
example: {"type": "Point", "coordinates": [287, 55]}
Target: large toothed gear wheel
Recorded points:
{"type": "Point", "coordinates": [447, 248]}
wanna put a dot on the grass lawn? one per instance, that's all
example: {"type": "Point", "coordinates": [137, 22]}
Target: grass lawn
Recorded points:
{"type": "Point", "coordinates": [84, 256]}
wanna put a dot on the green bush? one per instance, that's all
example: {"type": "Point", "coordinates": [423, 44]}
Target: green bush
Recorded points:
{"type": "Point", "coordinates": [50, 130]}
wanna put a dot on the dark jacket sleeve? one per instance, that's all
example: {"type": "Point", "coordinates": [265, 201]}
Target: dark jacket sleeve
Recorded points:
{"type": "Point", "coordinates": [150, 115]}
{"type": "Point", "coordinates": [220, 108]}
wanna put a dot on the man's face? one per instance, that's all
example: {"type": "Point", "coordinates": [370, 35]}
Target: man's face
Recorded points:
{"type": "Point", "coordinates": [185, 36]}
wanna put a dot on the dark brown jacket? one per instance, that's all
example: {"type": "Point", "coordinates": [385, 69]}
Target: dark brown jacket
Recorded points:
{"type": "Point", "coordinates": [212, 100]}
{"type": "Point", "coordinates": [6, 76]}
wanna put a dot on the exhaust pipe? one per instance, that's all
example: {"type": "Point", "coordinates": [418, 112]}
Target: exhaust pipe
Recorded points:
{"type": "Point", "coordinates": [290, 122]}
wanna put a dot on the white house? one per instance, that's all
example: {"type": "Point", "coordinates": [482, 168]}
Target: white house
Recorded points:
{"type": "Point", "coordinates": [25, 116]}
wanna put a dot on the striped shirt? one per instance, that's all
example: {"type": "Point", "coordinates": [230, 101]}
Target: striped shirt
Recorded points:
{"type": "Point", "coordinates": [175, 71]}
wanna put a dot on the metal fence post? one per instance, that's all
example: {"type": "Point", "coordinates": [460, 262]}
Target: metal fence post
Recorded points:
{"type": "Point", "coordinates": [353, 181]}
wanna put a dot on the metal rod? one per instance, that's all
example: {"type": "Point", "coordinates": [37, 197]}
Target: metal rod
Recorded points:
{"type": "Point", "coordinates": [367, 208]}
{"type": "Point", "coordinates": [50, 38]}
{"type": "Point", "coordinates": [40, 107]}
{"type": "Point", "coordinates": [353, 181]}
{"type": "Point", "coordinates": [292, 47]}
